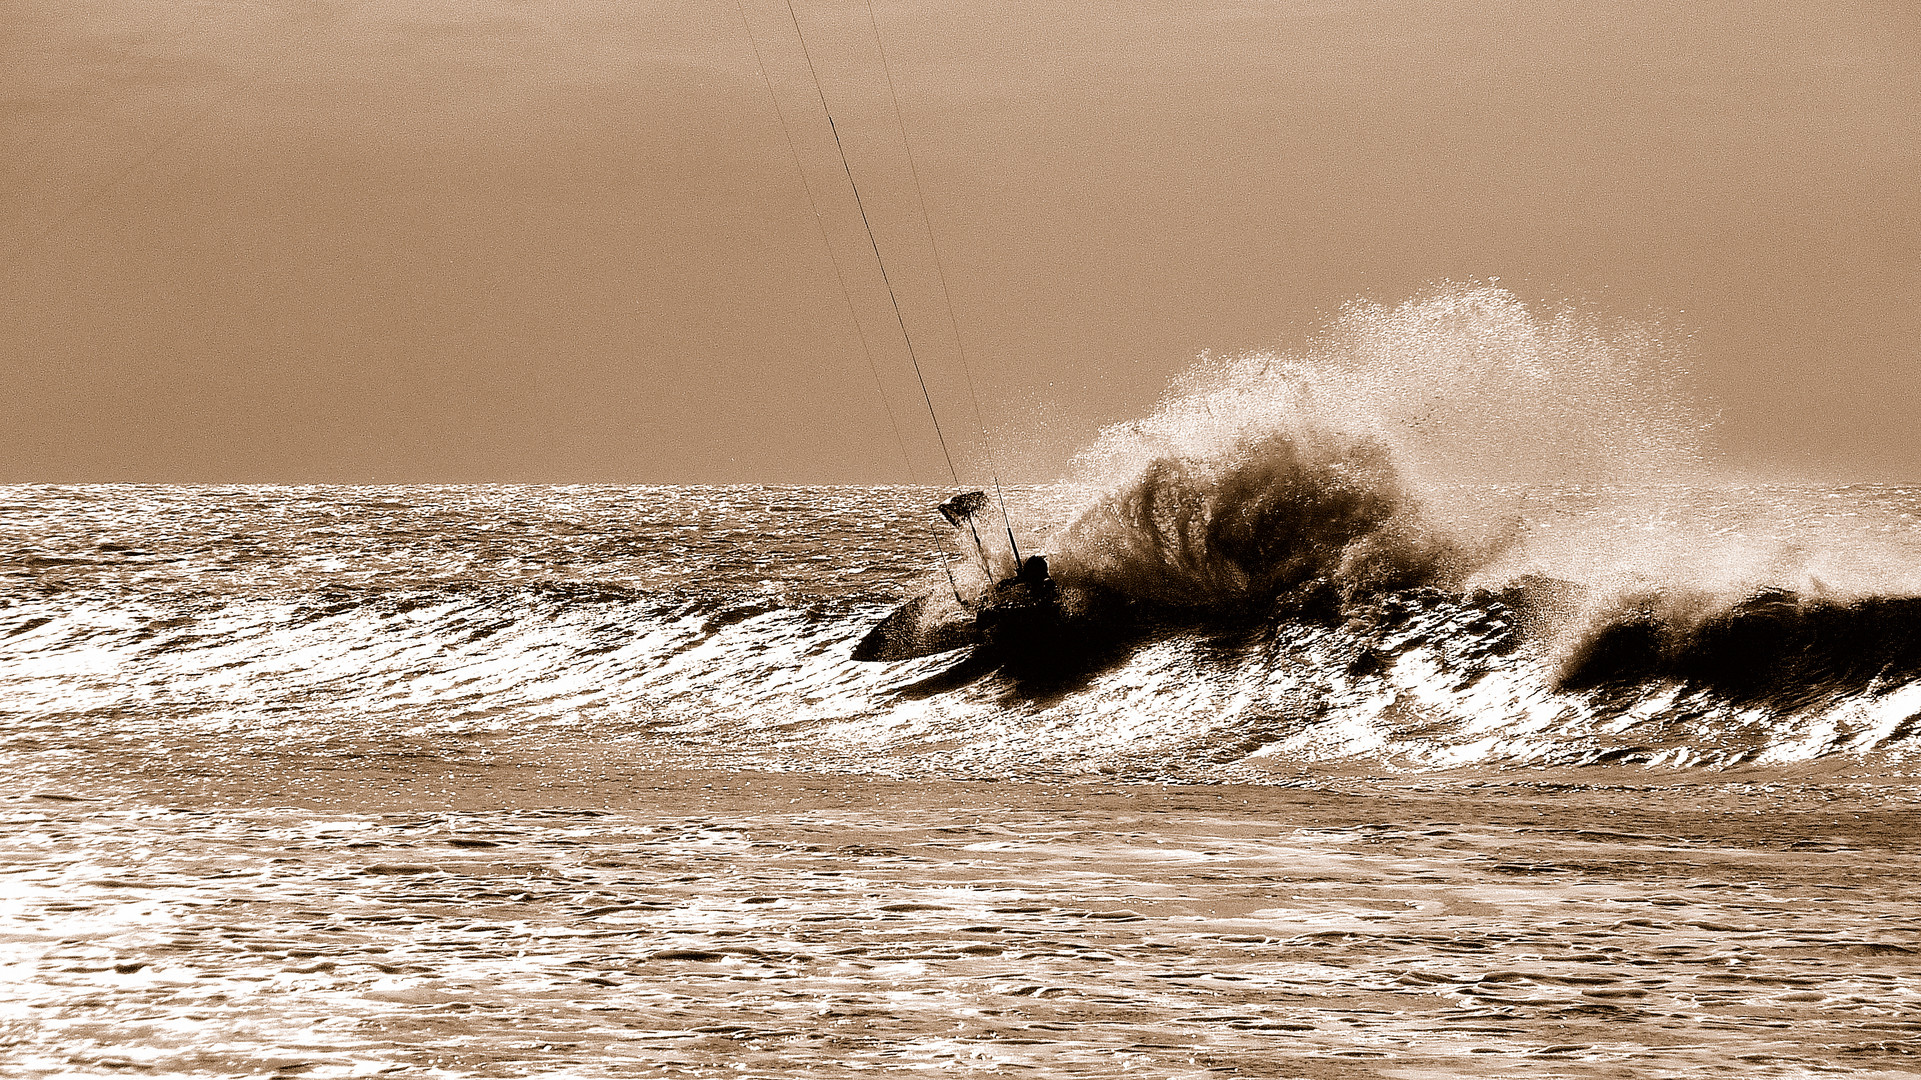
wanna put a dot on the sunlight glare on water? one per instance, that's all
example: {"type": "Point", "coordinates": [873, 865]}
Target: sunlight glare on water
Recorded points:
{"type": "Point", "coordinates": [629, 921]}
{"type": "Point", "coordinates": [474, 782]}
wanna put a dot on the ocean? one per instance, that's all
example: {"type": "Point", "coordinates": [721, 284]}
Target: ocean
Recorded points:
{"type": "Point", "coordinates": [1568, 780]}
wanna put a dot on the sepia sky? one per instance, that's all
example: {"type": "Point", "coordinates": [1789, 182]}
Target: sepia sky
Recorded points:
{"type": "Point", "coordinates": [566, 240]}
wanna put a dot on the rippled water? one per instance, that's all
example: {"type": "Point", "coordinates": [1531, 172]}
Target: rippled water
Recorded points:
{"type": "Point", "coordinates": [601, 919]}
{"type": "Point", "coordinates": [531, 782]}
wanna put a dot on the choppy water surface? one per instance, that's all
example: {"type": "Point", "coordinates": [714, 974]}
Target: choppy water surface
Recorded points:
{"type": "Point", "coordinates": [547, 781]}
{"type": "Point", "coordinates": [646, 923]}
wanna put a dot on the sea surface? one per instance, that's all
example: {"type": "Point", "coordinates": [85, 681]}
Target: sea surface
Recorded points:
{"type": "Point", "coordinates": [1542, 781]}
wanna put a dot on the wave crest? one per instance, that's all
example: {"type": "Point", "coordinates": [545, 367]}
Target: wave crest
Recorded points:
{"type": "Point", "coordinates": [1271, 514]}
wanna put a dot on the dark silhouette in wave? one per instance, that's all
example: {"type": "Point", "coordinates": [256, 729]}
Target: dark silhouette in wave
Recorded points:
{"type": "Point", "coordinates": [1774, 648]}
{"type": "Point", "coordinates": [1272, 515]}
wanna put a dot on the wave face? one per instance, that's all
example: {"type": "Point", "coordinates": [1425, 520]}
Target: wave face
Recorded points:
{"type": "Point", "coordinates": [717, 623]}
{"type": "Point", "coordinates": [1458, 533]}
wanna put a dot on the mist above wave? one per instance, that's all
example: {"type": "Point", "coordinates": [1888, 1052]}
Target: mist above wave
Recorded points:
{"type": "Point", "coordinates": [1416, 445]}
{"type": "Point", "coordinates": [1468, 384]}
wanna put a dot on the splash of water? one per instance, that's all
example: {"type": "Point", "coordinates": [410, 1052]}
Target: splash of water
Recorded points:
{"type": "Point", "coordinates": [1272, 513]}
{"type": "Point", "coordinates": [1345, 461]}
{"type": "Point", "coordinates": [1401, 446]}
{"type": "Point", "coordinates": [1466, 385]}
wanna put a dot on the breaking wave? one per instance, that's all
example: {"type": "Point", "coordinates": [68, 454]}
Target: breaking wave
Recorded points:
{"type": "Point", "coordinates": [1459, 532]}
{"type": "Point", "coordinates": [1416, 678]}
{"type": "Point", "coordinates": [1367, 455]}
{"type": "Point", "coordinates": [1398, 462]}
{"type": "Point", "coordinates": [1275, 513]}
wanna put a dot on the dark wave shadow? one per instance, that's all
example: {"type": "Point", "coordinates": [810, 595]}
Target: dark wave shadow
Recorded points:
{"type": "Point", "coordinates": [972, 668]}
{"type": "Point", "coordinates": [1043, 673]}
{"type": "Point", "coordinates": [1775, 649]}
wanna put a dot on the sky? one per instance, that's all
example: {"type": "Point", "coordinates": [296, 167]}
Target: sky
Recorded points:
{"type": "Point", "coordinates": [413, 241]}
